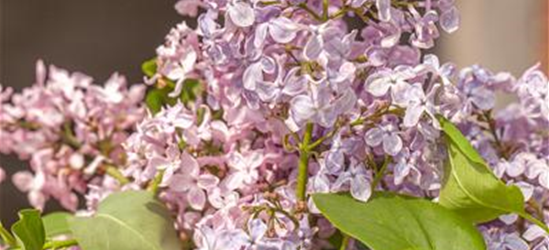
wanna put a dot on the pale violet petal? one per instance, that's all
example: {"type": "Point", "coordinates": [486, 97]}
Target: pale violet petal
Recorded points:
{"type": "Point", "coordinates": [361, 188]}
{"type": "Point", "coordinates": [514, 170]}
{"type": "Point", "coordinates": [508, 219]}
{"type": "Point", "coordinates": [483, 98]}
{"type": "Point", "coordinates": [257, 229]}
{"type": "Point", "coordinates": [384, 10]}
{"type": "Point", "coordinates": [267, 91]}
{"type": "Point", "coordinates": [401, 170]}
{"type": "Point", "coordinates": [413, 114]}
{"type": "Point", "coordinates": [374, 136]}
{"type": "Point", "coordinates": [544, 179]}
{"type": "Point", "coordinates": [302, 108]}
{"type": "Point", "coordinates": [527, 189]}
{"type": "Point", "coordinates": [207, 181]}
{"type": "Point", "coordinates": [392, 144]}
{"type": "Point", "coordinates": [189, 165]}
{"type": "Point", "coordinates": [345, 102]}
{"type": "Point", "coordinates": [357, 3]}
{"type": "Point", "coordinates": [341, 180]}
{"type": "Point", "coordinates": [449, 20]}
{"type": "Point", "coordinates": [283, 30]}
{"type": "Point", "coordinates": [295, 85]}
{"type": "Point", "coordinates": [377, 85]}
{"type": "Point", "coordinates": [533, 232]}
{"type": "Point", "coordinates": [313, 48]}
{"type": "Point", "coordinates": [320, 184]}
{"type": "Point", "coordinates": [242, 14]}
{"type": "Point", "coordinates": [260, 34]}
{"type": "Point", "coordinates": [252, 75]}
{"type": "Point", "coordinates": [516, 243]}
{"type": "Point", "coordinates": [196, 198]}
{"type": "Point", "coordinates": [334, 161]}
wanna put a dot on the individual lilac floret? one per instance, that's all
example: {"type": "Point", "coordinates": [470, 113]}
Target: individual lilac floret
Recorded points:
{"type": "Point", "coordinates": [387, 136]}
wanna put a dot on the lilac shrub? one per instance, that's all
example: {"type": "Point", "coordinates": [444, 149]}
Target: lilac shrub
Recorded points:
{"type": "Point", "coordinates": [267, 104]}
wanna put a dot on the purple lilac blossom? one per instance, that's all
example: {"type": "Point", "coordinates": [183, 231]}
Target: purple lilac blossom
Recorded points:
{"type": "Point", "coordinates": [275, 69]}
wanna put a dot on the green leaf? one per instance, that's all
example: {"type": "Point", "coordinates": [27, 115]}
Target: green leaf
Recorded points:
{"type": "Point", "coordinates": [470, 188]}
{"type": "Point", "coordinates": [394, 222]}
{"type": "Point", "coordinates": [6, 237]}
{"type": "Point", "coordinates": [335, 240]}
{"type": "Point", "coordinates": [149, 67]}
{"type": "Point", "coordinates": [57, 223]}
{"type": "Point", "coordinates": [29, 230]}
{"type": "Point", "coordinates": [130, 220]}
{"type": "Point", "coordinates": [191, 89]}
{"type": "Point", "coordinates": [157, 98]}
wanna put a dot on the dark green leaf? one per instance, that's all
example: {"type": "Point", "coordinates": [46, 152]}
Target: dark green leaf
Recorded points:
{"type": "Point", "coordinates": [57, 223]}
{"type": "Point", "coordinates": [29, 230]}
{"type": "Point", "coordinates": [149, 67]}
{"type": "Point", "coordinates": [470, 187]}
{"type": "Point", "coordinates": [130, 220]}
{"type": "Point", "coordinates": [336, 239]}
{"type": "Point", "coordinates": [157, 98]}
{"type": "Point", "coordinates": [393, 222]}
{"type": "Point", "coordinates": [191, 89]}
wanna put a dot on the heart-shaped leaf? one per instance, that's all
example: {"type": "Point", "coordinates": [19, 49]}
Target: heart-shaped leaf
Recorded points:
{"type": "Point", "coordinates": [130, 220]}
{"type": "Point", "coordinates": [470, 187]}
{"type": "Point", "coordinates": [394, 222]}
{"type": "Point", "coordinates": [57, 223]}
{"type": "Point", "coordinates": [29, 230]}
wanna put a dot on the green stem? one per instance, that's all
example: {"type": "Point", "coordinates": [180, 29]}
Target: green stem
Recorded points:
{"type": "Point", "coordinates": [270, 3]}
{"type": "Point", "coordinates": [357, 122]}
{"type": "Point", "coordinates": [344, 241]}
{"type": "Point", "coordinates": [113, 172]}
{"type": "Point", "coordinates": [531, 218]}
{"type": "Point", "coordinates": [381, 172]}
{"type": "Point", "coordinates": [303, 168]}
{"type": "Point", "coordinates": [493, 131]}
{"type": "Point", "coordinates": [154, 185]}
{"type": "Point", "coordinates": [60, 244]}
{"type": "Point", "coordinates": [325, 4]}
{"type": "Point", "coordinates": [310, 11]}
{"type": "Point", "coordinates": [291, 217]}
{"type": "Point", "coordinates": [341, 12]}
{"type": "Point", "coordinates": [6, 236]}
{"type": "Point", "coordinates": [68, 136]}
{"type": "Point", "coordinates": [324, 138]}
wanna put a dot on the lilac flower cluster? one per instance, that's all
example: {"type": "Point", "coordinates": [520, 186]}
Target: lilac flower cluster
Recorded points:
{"type": "Point", "coordinates": [299, 97]}
{"type": "Point", "coordinates": [69, 129]}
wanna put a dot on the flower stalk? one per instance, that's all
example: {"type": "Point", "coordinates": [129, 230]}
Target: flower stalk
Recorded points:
{"type": "Point", "coordinates": [303, 167]}
{"type": "Point", "coordinates": [113, 172]}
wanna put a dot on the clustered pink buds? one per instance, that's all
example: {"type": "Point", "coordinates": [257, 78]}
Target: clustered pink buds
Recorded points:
{"type": "Point", "coordinates": [68, 128]}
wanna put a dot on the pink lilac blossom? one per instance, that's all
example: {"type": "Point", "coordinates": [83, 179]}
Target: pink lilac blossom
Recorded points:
{"type": "Point", "coordinates": [279, 71]}
{"type": "Point", "coordinates": [69, 129]}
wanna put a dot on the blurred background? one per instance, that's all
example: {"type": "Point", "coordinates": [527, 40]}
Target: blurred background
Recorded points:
{"type": "Point", "coordinates": [103, 36]}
